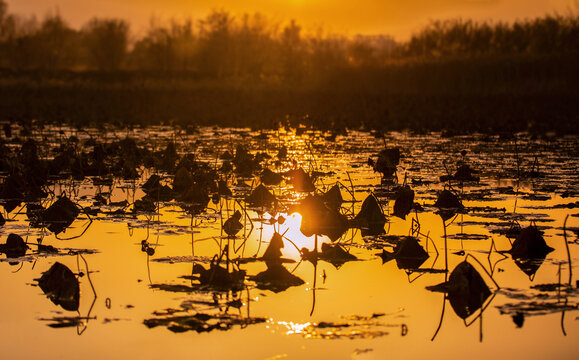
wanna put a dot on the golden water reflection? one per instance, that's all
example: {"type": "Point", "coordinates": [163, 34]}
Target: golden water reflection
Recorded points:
{"type": "Point", "coordinates": [152, 305]}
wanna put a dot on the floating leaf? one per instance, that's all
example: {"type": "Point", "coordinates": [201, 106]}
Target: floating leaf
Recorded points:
{"type": "Point", "coordinates": [60, 215]}
{"type": "Point", "coordinates": [276, 278]}
{"type": "Point", "coordinates": [318, 219]}
{"type": "Point", "coordinates": [370, 216]}
{"type": "Point", "coordinates": [61, 286]}
{"type": "Point", "coordinates": [404, 201]}
{"type": "Point", "coordinates": [387, 161]}
{"type": "Point", "coordinates": [448, 204]}
{"type": "Point", "coordinates": [466, 289]}
{"type": "Point", "coordinates": [530, 245]}
{"type": "Point", "coordinates": [463, 173]}
{"type": "Point", "coordinates": [232, 225]}
{"type": "Point", "coordinates": [182, 180]}
{"type": "Point", "coordinates": [219, 277]}
{"type": "Point", "coordinates": [269, 177]}
{"type": "Point", "coordinates": [261, 197]}
{"type": "Point", "coordinates": [273, 251]}
{"type": "Point", "coordinates": [146, 204]}
{"type": "Point", "coordinates": [15, 246]}
{"type": "Point", "coordinates": [301, 181]}
{"type": "Point", "coordinates": [201, 322]}
{"type": "Point", "coordinates": [332, 253]}
{"type": "Point", "coordinates": [409, 254]}
{"type": "Point", "coordinates": [333, 197]}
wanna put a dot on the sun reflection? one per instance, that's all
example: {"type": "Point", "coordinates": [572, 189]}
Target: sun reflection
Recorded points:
{"type": "Point", "coordinates": [294, 239]}
{"type": "Point", "coordinates": [294, 328]}
{"type": "Point", "coordinates": [329, 330]}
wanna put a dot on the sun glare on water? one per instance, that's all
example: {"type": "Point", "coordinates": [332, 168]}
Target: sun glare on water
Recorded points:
{"type": "Point", "coordinates": [294, 239]}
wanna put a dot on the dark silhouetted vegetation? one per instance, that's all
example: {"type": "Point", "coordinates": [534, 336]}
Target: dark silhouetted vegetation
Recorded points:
{"type": "Point", "coordinates": [247, 70]}
{"type": "Point", "coordinates": [546, 35]}
{"type": "Point", "coordinates": [106, 42]}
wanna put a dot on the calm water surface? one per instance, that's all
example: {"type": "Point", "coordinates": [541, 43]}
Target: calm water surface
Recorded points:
{"type": "Point", "coordinates": [135, 304]}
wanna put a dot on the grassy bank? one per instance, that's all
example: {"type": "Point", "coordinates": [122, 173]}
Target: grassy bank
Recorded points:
{"type": "Point", "coordinates": [493, 93]}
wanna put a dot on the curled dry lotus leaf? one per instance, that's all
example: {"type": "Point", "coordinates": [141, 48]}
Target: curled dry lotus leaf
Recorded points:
{"type": "Point", "coordinates": [61, 286]}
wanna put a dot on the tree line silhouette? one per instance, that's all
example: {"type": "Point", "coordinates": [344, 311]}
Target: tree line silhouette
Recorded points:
{"type": "Point", "coordinates": [454, 75]}
{"type": "Point", "coordinates": [222, 45]}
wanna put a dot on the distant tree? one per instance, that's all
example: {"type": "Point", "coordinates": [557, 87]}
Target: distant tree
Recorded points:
{"type": "Point", "coordinates": [3, 33]}
{"type": "Point", "coordinates": [292, 46]}
{"type": "Point", "coordinates": [106, 41]}
{"type": "Point", "coordinates": [7, 22]}
{"type": "Point", "coordinates": [216, 46]}
{"type": "Point", "coordinates": [253, 46]}
{"type": "Point", "coordinates": [165, 47]}
{"type": "Point", "coordinates": [327, 53]}
{"type": "Point", "coordinates": [20, 43]}
{"type": "Point", "coordinates": [3, 10]}
{"type": "Point", "coordinates": [56, 43]}
{"type": "Point", "coordinates": [362, 51]}
{"type": "Point", "coordinates": [184, 44]}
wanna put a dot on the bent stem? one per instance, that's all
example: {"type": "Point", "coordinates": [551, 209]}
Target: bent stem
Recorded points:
{"type": "Point", "coordinates": [567, 248]}
{"type": "Point", "coordinates": [445, 280]}
{"type": "Point", "coordinates": [570, 273]}
{"type": "Point", "coordinates": [314, 285]}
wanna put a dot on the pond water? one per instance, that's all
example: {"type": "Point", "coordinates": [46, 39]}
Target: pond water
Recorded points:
{"type": "Point", "coordinates": [160, 278]}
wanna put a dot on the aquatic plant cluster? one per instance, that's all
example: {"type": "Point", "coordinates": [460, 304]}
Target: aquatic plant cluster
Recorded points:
{"type": "Point", "coordinates": [360, 197]}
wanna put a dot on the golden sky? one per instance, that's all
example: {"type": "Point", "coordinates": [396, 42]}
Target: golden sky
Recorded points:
{"type": "Point", "coordinates": [396, 17]}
